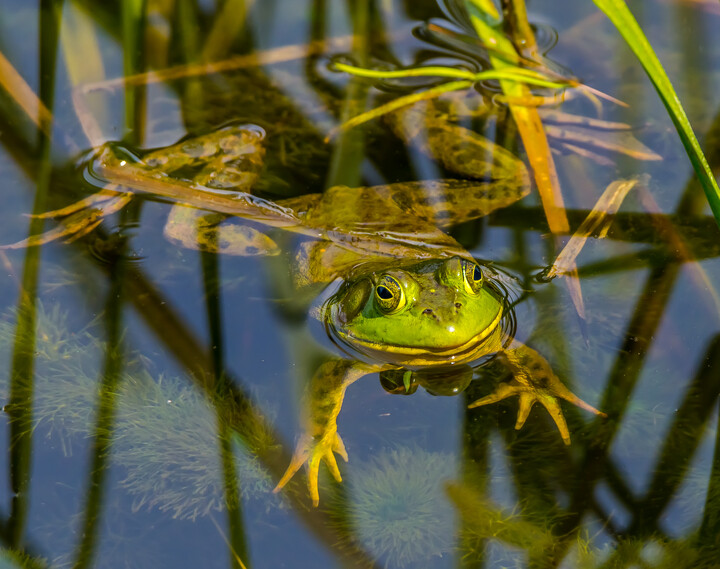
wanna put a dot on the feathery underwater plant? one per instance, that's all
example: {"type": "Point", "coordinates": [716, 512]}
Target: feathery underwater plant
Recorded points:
{"type": "Point", "coordinates": [165, 434]}
{"type": "Point", "coordinates": [66, 371]}
{"type": "Point", "coordinates": [397, 507]}
{"type": "Point", "coordinates": [167, 440]}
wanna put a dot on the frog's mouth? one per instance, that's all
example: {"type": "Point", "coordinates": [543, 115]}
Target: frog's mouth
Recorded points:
{"type": "Point", "coordinates": [477, 346]}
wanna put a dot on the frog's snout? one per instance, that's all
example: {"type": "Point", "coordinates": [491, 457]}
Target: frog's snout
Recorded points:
{"type": "Point", "coordinates": [446, 313]}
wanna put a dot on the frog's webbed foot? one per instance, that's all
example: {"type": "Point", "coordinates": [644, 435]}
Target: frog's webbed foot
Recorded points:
{"type": "Point", "coordinates": [313, 450]}
{"type": "Point", "coordinates": [547, 396]}
{"type": "Point", "coordinates": [535, 382]}
{"type": "Point", "coordinates": [77, 219]}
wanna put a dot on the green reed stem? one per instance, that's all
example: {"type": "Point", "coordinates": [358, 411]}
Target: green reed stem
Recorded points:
{"type": "Point", "coordinates": [20, 399]}
{"type": "Point", "coordinates": [229, 22]}
{"type": "Point", "coordinates": [405, 101]}
{"type": "Point", "coordinates": [349, 149]}
{"type": "Point", "coordinates": [133, 28]}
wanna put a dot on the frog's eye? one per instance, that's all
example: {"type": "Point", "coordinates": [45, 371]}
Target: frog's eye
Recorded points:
{"type": "Point", "coordinates": [473, 277]}
{"type": "Point", "coordinates": [349, 306]}
{"type": "Point", "coordinates": [389, 295]}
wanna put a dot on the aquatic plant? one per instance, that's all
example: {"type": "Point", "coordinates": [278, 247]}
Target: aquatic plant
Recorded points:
{"type": "Point", "coordinates": [633, 552]}
{"type": "Point", "coordinates": [167, 440]}
{"type": "Point", "coordinates": [66, 368]}
{"type": "Point", "coordinates": [165, 436]}
{"type": "Point", "coordinates": [464, 80]}
{"type": "Point", "coordinates": [11, 559]}
{"type": "Point", "coordinates": [52, 332]}
{"type": "Point", "coordinates": [123, 538]}
{"type": "Point", "coordinates": [397, 508]}
{"type": "Point", "coordinates": [483, 522]}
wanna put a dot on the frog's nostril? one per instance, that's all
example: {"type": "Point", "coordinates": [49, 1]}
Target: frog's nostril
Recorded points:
{"type": "Point", "coordinates": [458, 305]}
{"type": "Point", "coordinates": [428, 312]}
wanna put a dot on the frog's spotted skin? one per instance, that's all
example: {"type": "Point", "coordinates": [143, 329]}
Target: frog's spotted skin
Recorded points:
{"type": "Point", "coordinates": [409, 296]}
{"type": "Point", "coordinates": [459, 150]}
{"type": "Point", "coordinates": [230, 157]}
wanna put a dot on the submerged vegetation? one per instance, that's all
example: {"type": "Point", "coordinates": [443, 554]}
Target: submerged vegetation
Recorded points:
{"type": "Point", "coordinates": [167, 443]}
{"type": "Point", "coordinates": [165, 439]}
{"type": "Point", "coordinates": [397, 507]}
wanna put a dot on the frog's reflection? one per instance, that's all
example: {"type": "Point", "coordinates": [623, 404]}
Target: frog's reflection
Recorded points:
{"type": "Point", "coordinates": [446, 381]}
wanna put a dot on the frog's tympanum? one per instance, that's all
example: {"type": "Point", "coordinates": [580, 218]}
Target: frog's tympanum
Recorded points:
{"type": "Point", "coordinates": [405, 295]}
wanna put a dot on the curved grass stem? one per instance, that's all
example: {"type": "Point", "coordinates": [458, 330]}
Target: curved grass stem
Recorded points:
{"type": "Point", "coordinates": [467, 78]}
{"type": "Point", "coordinates": [399, 103]}
{"type": "Point", "coordinates": [519, 74]}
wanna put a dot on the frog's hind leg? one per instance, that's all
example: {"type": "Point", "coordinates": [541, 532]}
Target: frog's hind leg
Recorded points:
{"type": "Point", "coordinates": [535, 382]}
{"type": "Point", "coordinates": [197, 229]}
{"type": "Point", "coordinates": [448, 202]}
{"type": "Point", "coordinates": [459, 149]}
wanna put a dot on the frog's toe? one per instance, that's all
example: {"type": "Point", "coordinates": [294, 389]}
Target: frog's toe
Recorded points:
{"type": "Point", "coordinates": [314, 472]}
{"type": "Point", "coordinates": [525, 405]}
{"type": "Point", "coordinates": [339, 448]}
{"type": "Point", "coordinates": [548, 396]}
{"type": "Point", "coordinates": [526, 402]}
{"type": "Point", "coordinates": [299, 457]}
{"type": "Point", "coordinates": [314, 451]}
{"type": "Point", "coordinates": [503, 391]}
{"type": "Point", "coordinates": [78, 219]}
{"type": "Point", "coordinates": [328, 458]}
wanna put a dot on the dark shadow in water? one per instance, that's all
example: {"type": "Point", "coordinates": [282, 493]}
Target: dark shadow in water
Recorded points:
{"type": "Point", "coordinates": [624, 376]}
{"type": "Point", "coordinates": [211, 278]}
{"type": "Point", "coordinates": [681, 442]}
{"type": "Point", "coordinates": [102, 440]}
{"type": "Point", "coordinates": [709, 536]}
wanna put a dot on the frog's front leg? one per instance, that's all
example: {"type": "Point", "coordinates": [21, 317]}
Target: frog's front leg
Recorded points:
{"type": "Point", "coordinates": [322, 405]}
{"type": "Point", "coordinates": [197, 229]}
{"type": "Point", "coordinates": [535, 382]}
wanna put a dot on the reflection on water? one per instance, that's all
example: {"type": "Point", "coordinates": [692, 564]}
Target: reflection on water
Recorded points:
{"type": "Point", "coordinates": [153, 393]}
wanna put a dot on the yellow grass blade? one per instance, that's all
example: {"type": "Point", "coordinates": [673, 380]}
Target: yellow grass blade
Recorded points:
{"type": "Point", "coordinates": [23, 95]}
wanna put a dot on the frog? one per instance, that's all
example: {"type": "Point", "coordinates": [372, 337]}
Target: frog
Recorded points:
{"type": "Point", "coordinates": [399, 292]}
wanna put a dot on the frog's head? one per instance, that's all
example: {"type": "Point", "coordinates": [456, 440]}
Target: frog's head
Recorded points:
{"type": "Point", "coordinates": [428, 313]}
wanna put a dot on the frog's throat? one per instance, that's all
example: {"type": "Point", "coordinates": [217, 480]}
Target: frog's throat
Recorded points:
{"type": "Point", "coordinates": [466, 352]}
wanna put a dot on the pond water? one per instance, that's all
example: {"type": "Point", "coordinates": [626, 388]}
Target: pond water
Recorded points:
{"type": "Point", "coordinates": [154, 394]}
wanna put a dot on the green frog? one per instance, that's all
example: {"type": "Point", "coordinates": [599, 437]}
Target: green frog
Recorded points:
{"type": "Point", "coordinates": [403, 294]}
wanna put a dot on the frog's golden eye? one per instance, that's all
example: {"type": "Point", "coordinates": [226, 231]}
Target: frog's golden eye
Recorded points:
{"type": "Point", "coordinates": [389, 295]}
{"type": "Point", "coordinates": [473, 277]}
